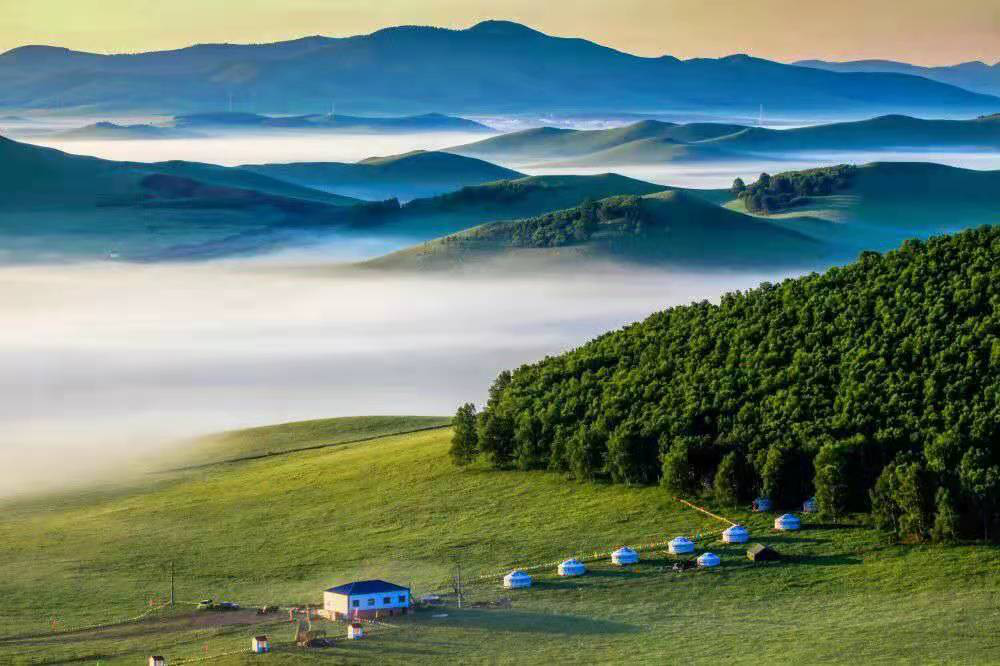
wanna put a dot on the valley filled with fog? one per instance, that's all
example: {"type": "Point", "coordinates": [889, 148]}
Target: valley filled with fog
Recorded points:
{"type": "Point", "coordinates": [108, 361]}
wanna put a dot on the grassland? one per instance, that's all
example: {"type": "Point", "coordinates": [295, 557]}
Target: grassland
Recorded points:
{"type": "Point", "coordinates": [283, 528]}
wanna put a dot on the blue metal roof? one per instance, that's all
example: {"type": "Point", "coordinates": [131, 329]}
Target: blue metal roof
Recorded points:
{"type": "Point", "coordinates": [367, 587]}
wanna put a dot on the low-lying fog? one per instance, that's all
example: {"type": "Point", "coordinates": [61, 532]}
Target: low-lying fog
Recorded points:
{"type": "Point", "coordinates": [232, 150]}
{"type": "Point", "coordinates": [106, 361]}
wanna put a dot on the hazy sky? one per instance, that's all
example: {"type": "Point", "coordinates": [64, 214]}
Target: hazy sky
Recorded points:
{"type": "Point", "coordinates": [921, 31]}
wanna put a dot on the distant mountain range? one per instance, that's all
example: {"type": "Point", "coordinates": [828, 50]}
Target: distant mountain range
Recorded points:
{"type": "Point", "coordinates": [492, 67]}
{"type": "Point", "coordinates": [652, 141]}
{"type": "Point", "coordinates": [975, 76]}
{"type": "Point", "coordinates": [427, 122]}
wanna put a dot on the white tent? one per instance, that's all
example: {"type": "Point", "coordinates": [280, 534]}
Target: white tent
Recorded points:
{"type": "Point", "coordinates": [786, 522]}
{"type": "Point", "coordinates": [624, 555]}
{"type": "Point", "coordinates": [516, 579]}
{"type": "Point", "coordinates": [762, 504]}
{"type": "Point", "coordinates": [809, 506]}
{"type": "Point", "coordinates": [680, 545]}
{"type": "Point", "coordinates": [736, 534]}
{"type": "Point", "coordinates": [709, 560]}
{"type": "Point", "coordinates": [572, 567]}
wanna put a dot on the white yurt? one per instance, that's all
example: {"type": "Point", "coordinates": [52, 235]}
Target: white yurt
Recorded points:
{"type": "Point", "coordinates": [709, 560]}
{"type": "Point", "coordinates": [624, 555]}
{"type": "Point", "coordinates": [809, 506]}
{"type": "Point", "coordinates": [680, 545]}
{"type": "Point", "coordinates": [516, 579]}
{"type": "Point", "coordinates": [787, 522]}
{"type": "Point", "coordinates": [762, 504]}
{"type": "Point", "coordinates": [572, 567]}
{"type": "Point", "coordinates": [736, 534]}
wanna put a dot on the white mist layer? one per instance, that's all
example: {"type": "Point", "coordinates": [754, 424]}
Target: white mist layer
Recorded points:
{"type": "Point", "coordinates": [110, 361]}
{"type": "Point", "coordinates": [236, 149]}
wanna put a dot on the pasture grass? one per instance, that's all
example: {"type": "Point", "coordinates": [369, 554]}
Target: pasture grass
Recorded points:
{"type": "Point", "coordinates": [280, 529]}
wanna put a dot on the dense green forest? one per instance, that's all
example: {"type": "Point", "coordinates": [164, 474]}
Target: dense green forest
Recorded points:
{"type": "Point", "coordinates": [874, 386]}
{"type": "Point", "coordinates": [772, 194]}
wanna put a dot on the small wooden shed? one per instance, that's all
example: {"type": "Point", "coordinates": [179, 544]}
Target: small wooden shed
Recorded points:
{"type": "Point", "coordinates": [355, 630]}
{"type": "Point", "coordinates": [761, 553]}
{"type": "Point", "coordinates": [260, 645]}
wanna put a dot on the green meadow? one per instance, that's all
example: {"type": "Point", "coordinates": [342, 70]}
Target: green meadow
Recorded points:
{"type": "Point", "coordinates": [280, 529]}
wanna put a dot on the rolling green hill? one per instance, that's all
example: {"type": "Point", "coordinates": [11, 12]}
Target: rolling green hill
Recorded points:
{"type": "Point", "coordinates": [651, 141]}
{"type": "Point", "coordinates": [669, 228]}
{"type": "Point", "coordinates": [431, 217]}
{"type": "Point", "coordinates": [280, 530]}
{"type": "Point", "coordinates": [546, 144]}
{"type": "Point", "coordinates": [895, 132]}
{"type": "Point", "coordinates": [57, 205]}
{"type": "Point", "coordinates": [885, 203]}
{"type": "Point", "coordinates": [408, 176]}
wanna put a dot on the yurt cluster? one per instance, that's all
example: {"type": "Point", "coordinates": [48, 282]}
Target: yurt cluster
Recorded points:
{"type": "Point", "coordinates": [680, 545]}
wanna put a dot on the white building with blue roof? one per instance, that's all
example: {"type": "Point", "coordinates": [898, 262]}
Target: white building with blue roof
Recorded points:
{"type": "Point", "coordinates": [366, 598]}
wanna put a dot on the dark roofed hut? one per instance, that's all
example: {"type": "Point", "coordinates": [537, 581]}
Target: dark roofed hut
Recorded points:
{"type": "Point", "coordinates": [761, 553]}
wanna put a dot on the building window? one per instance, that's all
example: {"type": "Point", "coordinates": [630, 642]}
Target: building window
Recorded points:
{"type": "Point", "coordinates": [371, 602]}
{"type": "Point", "coordinates": [387, 600]}
{"type": "Point", "coordinates": [402, 598]}
{"type": "Point", "coordinates": [355, 603]}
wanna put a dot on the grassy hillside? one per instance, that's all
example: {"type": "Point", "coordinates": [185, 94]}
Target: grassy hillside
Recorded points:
{"type": "Point", "coordinates": [885, 203]}
{"type": "Point", "coordinates": [285, 437]}
{"type": "Point", "coordinates": [407, 176]}
{"type": "Point", "coordinates": [508, 200]}
{"type": "Point", "coordinates": [669, 228]}
{"type": "Point", "coordinates": [282, 529]}
{"type": "Point", "coordinates": [652, 142]}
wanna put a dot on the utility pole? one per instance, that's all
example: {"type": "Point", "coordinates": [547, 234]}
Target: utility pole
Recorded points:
{"type": "Point", "coordinates": [171, 583]}
{"type": "Point", "coordinates": [459, 584]}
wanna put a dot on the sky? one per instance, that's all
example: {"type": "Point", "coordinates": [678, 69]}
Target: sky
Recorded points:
{"type": "Point", "coordinates": [926, 32]}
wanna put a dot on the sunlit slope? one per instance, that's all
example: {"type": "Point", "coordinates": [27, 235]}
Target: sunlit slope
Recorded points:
{"type": "Point", "coordinates": [407, 176]}
{"type": "Point", "coordinates": [282, 529]}
{"type": "Point", "coordinates": [666, 229]}
{"type": "Point", "coordinates": [285, 437]}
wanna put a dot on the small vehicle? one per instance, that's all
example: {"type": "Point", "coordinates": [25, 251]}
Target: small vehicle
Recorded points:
{"type": "Point", "coordinates": [205, 604]}
{"type": "Point", "coordinates": [227, 605]}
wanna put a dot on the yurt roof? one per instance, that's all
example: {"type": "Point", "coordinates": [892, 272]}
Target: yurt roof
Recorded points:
{"type": "Point", "coordinates": [517, 573]}
{"type": "Point", "coordinates": [572, 562]}
{"type": "Point", "coordinates": [735, 528]}
{"type": "Point", "coordinates": [623, 550]}
{"type": "Point", "coordinates": [680, 539]}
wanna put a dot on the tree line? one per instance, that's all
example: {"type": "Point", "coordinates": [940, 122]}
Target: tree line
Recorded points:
{"type": "Point", "coordinates": [874, 387]}
{"type": "Point", "coordinates": [772, 194]}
